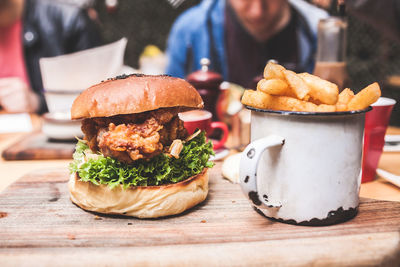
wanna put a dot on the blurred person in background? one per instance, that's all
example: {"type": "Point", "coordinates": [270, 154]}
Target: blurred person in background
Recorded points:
{"type": "Point", "coordinates": [30, 30]}
{"type": "Point", "coordinates": [240, 36]}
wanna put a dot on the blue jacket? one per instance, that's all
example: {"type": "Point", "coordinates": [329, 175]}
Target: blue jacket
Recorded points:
{"type": "Point", "coordinates": [199, 32]}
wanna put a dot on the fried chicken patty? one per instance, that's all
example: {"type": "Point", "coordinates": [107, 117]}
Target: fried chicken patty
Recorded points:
{"type": "Point", "coordinates": [135, 136]}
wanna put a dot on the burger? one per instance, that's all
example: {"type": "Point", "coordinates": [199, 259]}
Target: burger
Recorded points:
{"type": "Point", "coordinates": [136, 158]}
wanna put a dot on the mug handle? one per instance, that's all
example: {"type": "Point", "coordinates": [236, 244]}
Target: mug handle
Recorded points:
{"type": "Point", "coordinates": [248, 169]}
{"type": "Point", "coordinates": [225, 132]}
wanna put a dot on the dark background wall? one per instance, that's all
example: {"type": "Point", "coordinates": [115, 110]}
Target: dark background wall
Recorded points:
{"type": "Point", "coordinates": [143, 22]}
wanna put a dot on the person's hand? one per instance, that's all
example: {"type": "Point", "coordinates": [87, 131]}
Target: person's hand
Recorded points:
{"type": "Point", "coordinates": [327, 3]}
{"type": "Point", "coordinates": [16, 96]}
{"type": "Point", "coordinates": [322, 3]}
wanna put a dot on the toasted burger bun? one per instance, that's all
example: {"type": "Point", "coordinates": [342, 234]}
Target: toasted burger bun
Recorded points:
{"type": "Point", "coordinates": [135, 94]}
{"type": "Point", "coordinates": [140, 201]}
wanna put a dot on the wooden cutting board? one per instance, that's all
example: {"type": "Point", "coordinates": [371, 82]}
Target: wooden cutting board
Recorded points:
{"type": "Point", "coordinates": [36, 146]}
{"type": "Point", "coordinates": [39, 225]}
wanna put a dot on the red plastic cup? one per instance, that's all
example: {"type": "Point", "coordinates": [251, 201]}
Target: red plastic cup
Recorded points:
{"type": "Point", "coordinates": [201, 119]}
{"type": "Point", "coordinates": [376, 123]}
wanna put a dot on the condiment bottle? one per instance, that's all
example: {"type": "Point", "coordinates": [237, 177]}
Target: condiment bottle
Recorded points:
{"type": "Point", "coordinates": [331, 51]}
{"type": "Point", "coordinates": [207, 84]}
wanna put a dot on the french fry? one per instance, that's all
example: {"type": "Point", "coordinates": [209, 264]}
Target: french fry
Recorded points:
{"type": "Point", "coordinates": [365, 97]}
{"type": "Point", "coordinates": [291, 104]}
{"type": "Point", "coordinates": [274, 71]}
{"type": "Point", "coordinates": [273, 87]}
{"type": "Point", "coordinates": [315, 101]}
{"type": "Point", "coordinates": [344, 98]}
{"type": "Point", "coordinates": [283, 89]}
{"type": "Point", "coordinates": [261, 100]}
{"type": "Point", "coordinates": [256, 99]}
{"type": "Point", "coordinates": [297, 84]}
{"type": "Point", "coordinates": [321, 90]}
{"type": "Point", "coordinates": [325, 108]}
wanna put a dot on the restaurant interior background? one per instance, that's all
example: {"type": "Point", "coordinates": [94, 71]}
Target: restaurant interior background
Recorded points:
{"type": "Point", "coordinates": [371, 55]}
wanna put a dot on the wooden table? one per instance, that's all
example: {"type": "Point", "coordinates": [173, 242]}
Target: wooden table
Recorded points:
{"type": "Point", "coordinates": [10, 171]}
{"type": "Point", "coordinates": [54, 231]}
{"type": "Point", "coordinates": [41, 227]}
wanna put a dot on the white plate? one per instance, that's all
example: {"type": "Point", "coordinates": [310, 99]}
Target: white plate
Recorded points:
{"type": "Point", "coordinates": [220, 154]}
{"type": "Point", "coordinates": [59, 126]}
{"type": "Point", "coordinates": [395, 140]}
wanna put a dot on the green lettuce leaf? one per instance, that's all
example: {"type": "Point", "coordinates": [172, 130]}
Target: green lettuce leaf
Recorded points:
{"type": "Point", "coordinates": [160, 170]}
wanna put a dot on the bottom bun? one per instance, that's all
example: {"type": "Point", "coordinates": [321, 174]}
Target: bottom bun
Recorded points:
{"type": "Point", "coordinates": [140, 201]}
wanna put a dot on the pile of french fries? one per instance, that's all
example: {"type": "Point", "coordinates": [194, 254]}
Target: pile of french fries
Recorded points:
{"type": "Point", "coordinates": [282, 89]}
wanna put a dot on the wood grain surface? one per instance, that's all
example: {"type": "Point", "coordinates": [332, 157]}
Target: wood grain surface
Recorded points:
{"type": "Point", "coordinates": [36, 146]}
{"type": "Point", "coordinates": [39, 224]}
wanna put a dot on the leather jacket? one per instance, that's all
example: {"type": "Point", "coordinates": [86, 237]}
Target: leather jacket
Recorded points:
{"type": "Point", "coordinates": [52, 29]}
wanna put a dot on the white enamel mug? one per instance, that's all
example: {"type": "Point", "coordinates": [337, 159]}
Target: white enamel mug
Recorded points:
{"type": "Point", "coordinates": [303, 167]}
